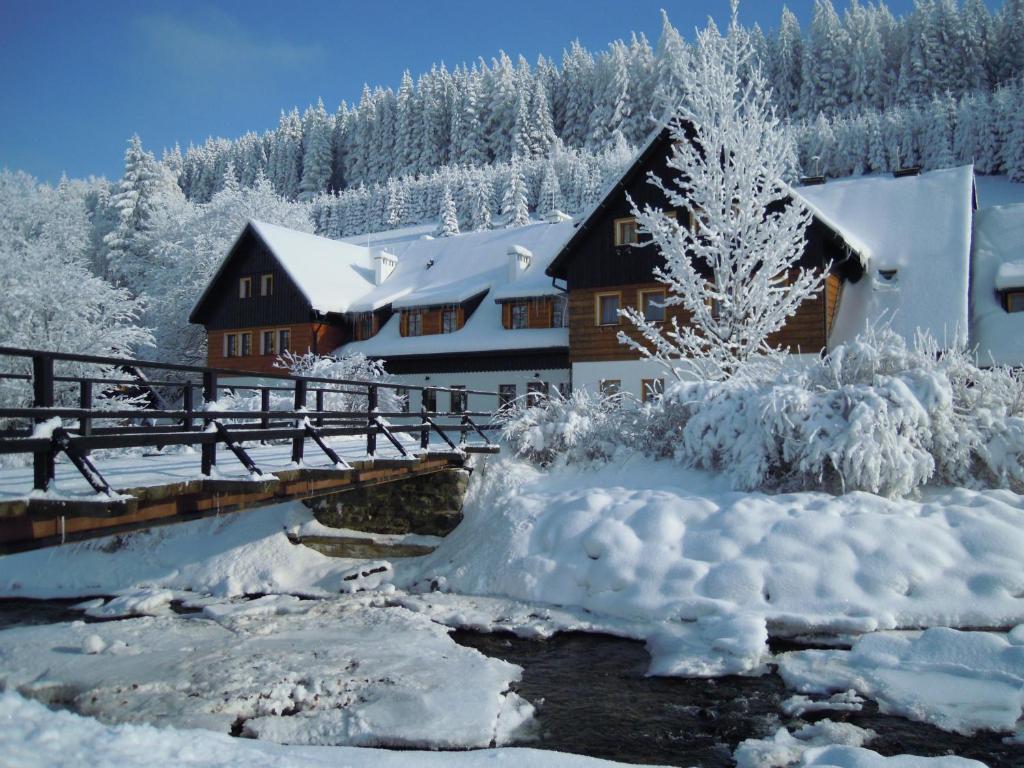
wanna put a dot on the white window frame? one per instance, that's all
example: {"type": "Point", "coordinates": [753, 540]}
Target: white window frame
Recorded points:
{"type": "Point", "coordinates": [245, 287]}
{"type": "Point", "coordinates": [267, 284]}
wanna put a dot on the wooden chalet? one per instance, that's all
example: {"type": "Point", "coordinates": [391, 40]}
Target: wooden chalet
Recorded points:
{"type": "Point", "coordinates": [277, 290]}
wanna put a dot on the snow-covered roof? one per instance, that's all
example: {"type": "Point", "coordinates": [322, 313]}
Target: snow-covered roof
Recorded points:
{"type": "Point", "coordinates": [450, 270]}
{"type": "Point", "coordinates": [330, 273]}
{"type": "Point", "coordinates": [998, 250]}
{"type": "Point", "coordinates": [915, 232]}
{"type": "Point", "coordinates": [460, 268]}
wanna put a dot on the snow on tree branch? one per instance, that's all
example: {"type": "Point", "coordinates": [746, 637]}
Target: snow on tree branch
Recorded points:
{"type": "Point", "coordinates": [732, 267]}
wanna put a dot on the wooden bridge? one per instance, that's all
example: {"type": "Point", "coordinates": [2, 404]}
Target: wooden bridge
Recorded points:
{"type": "Point", "coordinates": [109, 444]}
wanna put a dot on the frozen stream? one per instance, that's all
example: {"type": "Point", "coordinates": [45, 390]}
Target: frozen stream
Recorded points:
{"type": "Point", "coordinates": [593, 698]}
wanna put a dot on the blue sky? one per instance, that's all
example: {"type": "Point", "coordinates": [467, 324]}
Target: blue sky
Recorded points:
{"type": "Point", "coordinates": [78, 78]}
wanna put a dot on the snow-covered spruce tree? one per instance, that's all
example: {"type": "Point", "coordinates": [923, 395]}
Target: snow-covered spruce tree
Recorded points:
{"type": "Point", "coordinates": [449, 226]}
{"type": "Point", "coordinates": [734, 272]}
{"type": "Point", "coordinates": [514, 204]}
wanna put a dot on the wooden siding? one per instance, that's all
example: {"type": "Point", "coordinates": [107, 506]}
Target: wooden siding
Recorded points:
{"type": "Point", "coordinates": [314, 337]}
{"type": "Point", "coordinates": [806, 332]}
{"type": "Point", "coordinates": [540, 312]}
{"type": "Point", "coordinates": [223, 308]}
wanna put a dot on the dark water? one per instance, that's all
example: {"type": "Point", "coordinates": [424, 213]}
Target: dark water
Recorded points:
{"type": "Point", "coordinates": [16, 612]}
{"type": "Point", "coordinates": [594, 700]}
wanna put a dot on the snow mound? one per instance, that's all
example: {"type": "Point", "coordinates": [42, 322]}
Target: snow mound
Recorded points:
{"type": "Point", "coordinates": [141, 602]}
{"type": "Point", "coordinates": [36, 737]}
{"type": "Point", "coordinates": [957, 681]}
{"type": "Point", "coordinates": [648, 542]}
{"type": "Point", "coordinates": [858, 757]}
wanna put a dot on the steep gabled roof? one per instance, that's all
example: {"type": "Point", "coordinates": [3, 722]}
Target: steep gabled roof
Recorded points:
{"type": "Point", "coordinates": [331, 274]}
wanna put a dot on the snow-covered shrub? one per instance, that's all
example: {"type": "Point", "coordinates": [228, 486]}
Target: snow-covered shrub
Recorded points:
{"type": "Point", "coordinates": [581, 427]}
{"type": "Point", "coordinates": [877, 415]}
{"type": "Point", "coordinates": [354, 367]}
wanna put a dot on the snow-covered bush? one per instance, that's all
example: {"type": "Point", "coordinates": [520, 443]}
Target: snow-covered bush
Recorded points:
{"type": "Point", "coordinates": [581, 427]}
{"type": "Point", "coordinates": [354, 367]}
{"type": "Point", "coordinates": [877, 414]}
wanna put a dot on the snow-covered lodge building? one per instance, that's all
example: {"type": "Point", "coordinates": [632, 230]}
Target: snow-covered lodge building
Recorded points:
{"type": "Point", "coordinates": [535, 308]}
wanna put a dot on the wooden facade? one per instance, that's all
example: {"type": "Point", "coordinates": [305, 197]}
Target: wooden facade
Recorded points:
{"type": "Point", "coordinates": [252, 293]}
{"type": "Point", "coordinates": [592, 265]}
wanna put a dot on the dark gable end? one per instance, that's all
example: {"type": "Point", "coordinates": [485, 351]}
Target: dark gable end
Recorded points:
{"type": "Point", "coordinates": [219, 307]}
{"type": "Point", "coordinates": [590, 258]}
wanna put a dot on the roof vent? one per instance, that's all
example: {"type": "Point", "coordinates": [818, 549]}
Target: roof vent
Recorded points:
{"type": "Point", "coordinates": [910, 170]}
{"type": "Point", "coordinates": [430, 263]}
{"type": "Point", "coordinates": [811, 181]}
{"type": "Point", "coordinates": [519, 260]}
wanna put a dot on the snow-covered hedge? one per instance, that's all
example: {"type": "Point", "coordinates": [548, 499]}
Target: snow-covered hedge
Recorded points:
{"type": "Point", "coordinates": [877, 415]}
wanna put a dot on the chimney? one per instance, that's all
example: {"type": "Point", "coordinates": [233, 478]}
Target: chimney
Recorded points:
{"type": "Point", "coordinates": [384, 264]}
{"type": "Point", "coordinates": [519, 259]}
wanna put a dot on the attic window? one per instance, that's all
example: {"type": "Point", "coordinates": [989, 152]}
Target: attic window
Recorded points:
{"type": "Point", "coordinates": [626, 232]}
{"type": "Point", "coordinates": [245, 288]}
{"type": "Point", "coordinates": [267, 284]}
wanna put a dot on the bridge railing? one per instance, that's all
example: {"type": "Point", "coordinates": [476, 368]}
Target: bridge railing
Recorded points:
{"type": "Point", "coordinates": [112, 402]}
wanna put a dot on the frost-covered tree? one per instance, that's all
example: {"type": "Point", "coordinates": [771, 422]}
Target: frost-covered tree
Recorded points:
{"type": "Point", "coordinates": [317, 162]}
{"type": "Point", "coordinates": [734, 272]}
{"type": "Point", "coordinates": [514, 204]}
{"type": "Point", "coordinates": [449, 225]}
{"type": "Point", "coordinates": [550, 199]}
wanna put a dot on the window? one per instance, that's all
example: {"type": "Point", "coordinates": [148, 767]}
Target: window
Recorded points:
{"type": "Point", "coordinates": [520, 315]}
{"type": "Point", "coordinates": [414, 323]}
{"type": "Point", "coordinates": [364, 329]}
{"type": "Point", "coordinates": [560, 312]}
{"type": "Point", "coordinates": [268, 344]}
{"type": "Point", "coordinates": [458, 398]}
{"type": "Point", "coordinates": [1015, 301]}
{"type": "Point", "coordinates": [607, 309]}
{"type": "Point", "coordinates": [610, 387]}
{"type": "Point", "coordinates": [535, 392]}
{"type": "Point", "coordinates": [429, 400]}
{"type": "Point", "coordinates": [266, 284]}
{"type": "Point", "coordinates": [692, 220]}
{"type": "Point", "coordinates": [564, 389]}
{"type": "Point", "coordinates": [284, 340]}
{"type": "Point", "coordinates": [506, 394]}
{"type": "Point", "coordinates": [626, 231]}
{"type": "Point", "coordinates": [652, 304]}
{"type": "Point", "coordinates": [403, 398]}
{"type": "Point", "coordinates": [449, 320]}
{"type": "Point", "coordinates": [651, 389]}
{"type": "Point", "coordinates": [246, 339]}
{"type": "Point", "coordinates": [230, 345]}
{"type": "Point", "coordinates": [245, 288]}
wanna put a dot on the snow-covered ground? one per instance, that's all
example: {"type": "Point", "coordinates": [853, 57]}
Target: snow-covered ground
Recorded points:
{"type": "Point", "coordinates": [644, 550]}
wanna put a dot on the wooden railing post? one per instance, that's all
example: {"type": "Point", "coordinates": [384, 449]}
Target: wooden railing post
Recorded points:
{"type": "Point", "coordinates": [265, 407]}
{"type": "Point", "coordinates": [42, 397]}
{"type": "Point", "coordinates": [209, 397]}
{"type": "Point", "coordinates": [85, 403]}
{"type": "Point", "coordinates": [298, 443]}
{"type": "Point", "coordinates": [371, 407]}
{"type": "Point", "coordinates": [320, 406]}
{"type": "Point", "coordinates": [188, 404]}
{"type": "Point", "coordinates": [425, 428]}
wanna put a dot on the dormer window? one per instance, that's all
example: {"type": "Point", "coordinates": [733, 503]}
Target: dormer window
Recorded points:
{"type": "Point", "coordinates": [1015, 301]}
{"type": "Point", "coordinates": [414, 323]}
{"type": "Point", "coordinates": [245, 288]}
{"type": "Point", "coordinates": [520, 315]}
{"type": "Point", "coordinates": [267, 284]}
{"type": "Point", "coordinates": [449, 320]}
{"type": "Point", "coordinates": [626, 231]}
